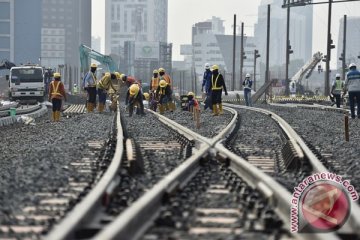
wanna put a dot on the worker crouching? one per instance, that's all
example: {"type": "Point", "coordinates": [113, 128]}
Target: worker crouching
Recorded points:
{"type": "Point", "coordinates": [164, 95]}
{"type": "Point", "coordinates": [193, 104]}
{"type": "Point", "coordinates": [217, 85]}
{"type": "Point", "coordinates": [56, 94]}
{"type": "Point", "coordinates": [134, 97]}
{"type": "Point", "coordinates": [104, 85]}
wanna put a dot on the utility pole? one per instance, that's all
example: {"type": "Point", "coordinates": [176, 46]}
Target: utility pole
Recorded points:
{"type": "Point", "coordinates": [234, 50]}
{"type": "Point", "coordinates": [256, 55]}
{"type": "Point", "coordinates": [287, 82]}
{"type": "Point", "coordinates": [267, 74]}
{"type": "Point", "coordinates": [328, 53]}
{"type": "Point", "coordinates": [242, 54]}
{"type": "Point", "coordinates": [343, 55]}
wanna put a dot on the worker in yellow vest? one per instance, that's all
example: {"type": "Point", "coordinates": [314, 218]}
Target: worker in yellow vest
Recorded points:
{"type": "Point", "coordinates": [217, 85]}
{"type": "Point", "coordinates": [56, 94]}
{"type": "Point", "coordinates": [104, 85]}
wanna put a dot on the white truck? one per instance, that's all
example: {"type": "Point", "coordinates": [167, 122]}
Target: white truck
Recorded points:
{"type": "Point", "coordinates": [26, 83]}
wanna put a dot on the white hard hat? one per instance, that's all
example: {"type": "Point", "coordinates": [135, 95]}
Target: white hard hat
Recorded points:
{"type": "Point", "coordinates": [247, 75]}
{"type": "Point", "coordinates": [338, 75]}
{"type": "Point", "coordinates": [207, 65]}
{"type": "Point", "coordinates": [352, 65]}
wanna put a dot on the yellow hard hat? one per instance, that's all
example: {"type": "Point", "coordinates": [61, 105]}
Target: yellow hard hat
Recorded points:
{"type": "Point", "coordinates": [161, 70]}
{"type": "Point", "coordinates": [107, 74]}
{"type": "Point", "coordinates": [191, 94]}
{"type": "Point", "coordinates": [118, 75]}
{"type": "Point", "coordinates": [122, 77]}
{"type": "Point", "coordinates": [215, 67]}
{"type": "Point", "coordinates": [162, 83]}
{"type": "Point", "coordinates": [57, 75]}
{"type": "Point", "coordinates": [155, 71]}
{"type": "Point", "coordinates": [134, 89]}
{"type": "Point", "coordinates": [147, 96]}
{"type": "Point", "coordinates": [93, 65]}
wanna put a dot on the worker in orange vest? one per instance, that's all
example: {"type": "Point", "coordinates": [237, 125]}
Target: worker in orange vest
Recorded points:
{"type": "Point", "coordinates": [154, 83]}
{"type": "Point", "coordinates": [56, 94]}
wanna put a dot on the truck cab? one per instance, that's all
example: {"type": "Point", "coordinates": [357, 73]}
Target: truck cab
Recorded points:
{"type": "Point", "coordinates": [27, 82]}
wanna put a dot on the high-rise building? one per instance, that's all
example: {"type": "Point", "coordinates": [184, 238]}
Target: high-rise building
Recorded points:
{"type": "Point", "coordinates": [19, 37]}
{"type": "Point", "coordinates": [66, 24]}
{"type": "Point", "coordinates": [352, 41]}
{"type": "Point", "coordinates": [96, 43]}
{"type": "Point", "coordinates": [301, 19]}
{"type": "Point", "coordinates": [134, 20]}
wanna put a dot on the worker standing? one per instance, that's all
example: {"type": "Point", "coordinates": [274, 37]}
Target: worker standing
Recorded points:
{"type": "Point", "coordinates": [337, 87]}
{"type": "Point", "coordinates": [134, 97]}
{"type": "Point", "coordinates": [217, 85]}
{"type": "Point", "coordinates": [154, 83]}
{"type": "Point", "coordinates": [352, 85]}
{"type": "Point", "coordinates": [75, 89]}
{"type": "Point", "coordinates": [247, 83]}
{"type": "Point", "coordinates": [56, 94]}
{"type": "Point", "coordinates": [164, 95]}
{"type": "Point", "coordinates": [167, 78]}
{"type": "Point", "coordinates": [103, 86]}
{"type": "Point", "coordinates": [90, 82]}
{"type": "Point", "coordinates": [205, 87]}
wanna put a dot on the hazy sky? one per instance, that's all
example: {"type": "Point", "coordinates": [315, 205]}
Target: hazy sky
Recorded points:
{"type": "Point", "coordinates": [184, 13]}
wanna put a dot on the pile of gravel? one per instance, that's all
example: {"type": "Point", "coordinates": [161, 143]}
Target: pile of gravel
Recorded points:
{"type": "Point", "coordinates": [36, 158]}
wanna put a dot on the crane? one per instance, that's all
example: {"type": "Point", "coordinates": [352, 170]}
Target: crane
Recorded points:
{"type": "Point", "coordinates": [5, 64]}
{"type": "Point", "coordinates": [306, 69]}
{"type": "Point", "coordinates": [86, 53]}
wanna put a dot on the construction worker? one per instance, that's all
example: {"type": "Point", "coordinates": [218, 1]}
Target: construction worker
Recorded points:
{"type": "Point", "coordinates": [103, 86]}
{"type": "Point", "coordinates": [205, 87]}
{"type": "Point", "coordinates": [154, 83]}
{"type": "Point", "coordinates": [192, 102]}
{"type": "Point", "coordinates": [352, 85]}
{"type": "Point", "coordinates": [56, 94]}
{"type": "Point", "coordinates": [336, 89]}
{"type": "Point", "coordinates": [90, 83]}
{"type": "Point", "coordinates": [167, 78]}
{"type": "Point", "coordinates": [134, 97]}
{"type": "Point", "coordinates": [164, 95]}
{"type": "Point", "coordinates": [217, 85]}
{"type": "Point", "coordinates": [153, 102]}
{"type": "Point", "coordinates": [129, 80]}
{"type": "Point", "coordinates": [247, 83]}
{"type": "Point", "coordinates": [75, 89]}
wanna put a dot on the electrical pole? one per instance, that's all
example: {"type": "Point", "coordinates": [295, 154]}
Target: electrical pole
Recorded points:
{"type": "Point", "coordinates": [328, 53]}
{"type": "Point", "coordinates": [234, 48]}
{"type": "Point", "coordinates": [242, 53]}
{"type": "Point", "coordinates": [256, 55]}
{"type": "Point", "coordinates": [267, 74]}
{"type": "Point", "coordinates": [344, 50]}
{"type": "Point", "coordinates": [287, 82]}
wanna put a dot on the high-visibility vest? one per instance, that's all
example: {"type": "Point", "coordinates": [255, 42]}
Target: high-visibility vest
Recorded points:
{"type": "Point", "coordinates": [214, 84]}
{"type": "Point", "coordinates": [154, 83]}
{"type": "Point", "coordinates": [75, 90]}
{"type": "Point", "coordinates": [338, 85]}
{"type": "Point", "coordinates": [55, 90]}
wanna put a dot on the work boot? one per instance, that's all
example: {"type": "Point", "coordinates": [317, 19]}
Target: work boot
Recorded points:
{"type": "Point", "coordinates": [101, 107]}
{"type": "Point", "coordinates": [57, 116]}
{"type": "Point", "coordinates": [221, 109]}
{"type": "Point", "coordinates": [215, 110]}
{"type": "Point", "coordinates": [53, 116]}
{"type": "Point", "coordinates": [162, 108]}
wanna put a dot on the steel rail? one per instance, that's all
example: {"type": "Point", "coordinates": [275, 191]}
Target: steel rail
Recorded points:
{"type": "Point", "coordinates": [277, 195]}
{"type": "Point", "coordinates": [82, 211]}
{"type": "Point", "coordinates": [354, 219]}
{"type": "Point", "coordinates": [21, 110]}
{"type": "Point", "coordinates": [135, 220]}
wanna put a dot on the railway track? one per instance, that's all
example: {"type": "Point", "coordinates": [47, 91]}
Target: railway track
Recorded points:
{"type": "Point", "coordinates": [165, 209]}
{"type": "Point", "coordinates": [33, 111]}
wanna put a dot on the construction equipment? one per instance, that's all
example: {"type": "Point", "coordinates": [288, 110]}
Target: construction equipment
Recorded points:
{"type": "Point", "coordinates": [87, 53]}
{"type": "Point", "coordinates": [5, 64]}
{"type": "Point", "coordinates": [295, 82]}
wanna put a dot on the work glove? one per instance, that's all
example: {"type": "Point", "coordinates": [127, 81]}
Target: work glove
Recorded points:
{"type": "Point", "coordinates": [226, 93]}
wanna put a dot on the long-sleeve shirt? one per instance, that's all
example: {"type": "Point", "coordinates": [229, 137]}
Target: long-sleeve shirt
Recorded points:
{"type": "Point", "coordinates": [105, 83]}
{"type": "Point", "coordinates": [352, 83]}
{"type": "Point", "coordinates": [167, 78]}
{"type": "Point", "coordinates": [89, 80]}
{"type": "Point", "coordinates": [247, 83]}
{"type": "Point", "coordinates": [217, 82]}
{"type": "Point", "coordinates": [57, 90]}
{"type": "Point", "coordinates": [206, 80]}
